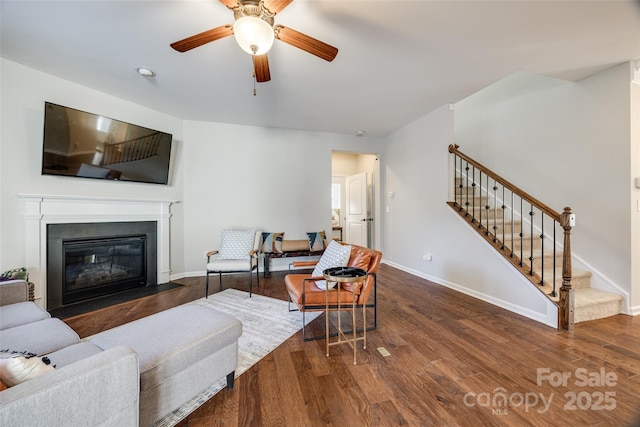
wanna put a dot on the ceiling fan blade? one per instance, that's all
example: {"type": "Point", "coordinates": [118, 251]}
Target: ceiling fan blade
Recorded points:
{"type": "Point", "coordinates": [261, 68]}
{"type": "Point", "coordinates": [274, 6]}
{"type": "Point", "coordinates": [229, 3]}
{"type": "Point", "coordinates": [306, 43]}
{"type": "Point", "coordinates": [202, 38]}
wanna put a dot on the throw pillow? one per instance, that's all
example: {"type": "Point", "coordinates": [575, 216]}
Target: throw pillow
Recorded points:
{"type": "Point", "coordinates": [16, 368]}
{"type": "Point", "coordinates": [272, 242]}
{"type": "Point", "coordinates": [317, 241]}
{"type": "Point", "coordinates": [236, 244]}
{"type": "Point", "coordinates": [295, 245]}
{"type": "Point", "coordinates": [16, 273]}
{"type": "Point", "coordinates": [336, 255]}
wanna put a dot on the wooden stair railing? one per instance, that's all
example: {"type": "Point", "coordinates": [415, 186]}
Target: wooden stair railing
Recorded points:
{"type": "Point", "coordinates": [495, 208]}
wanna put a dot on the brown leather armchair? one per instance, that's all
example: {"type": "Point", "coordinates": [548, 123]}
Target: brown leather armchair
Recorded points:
{"type": "Point", "coordinates": [304, 293]}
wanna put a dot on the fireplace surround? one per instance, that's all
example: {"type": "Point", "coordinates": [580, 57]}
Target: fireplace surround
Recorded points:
{"type": "Point", "coordinates": [41, 211]}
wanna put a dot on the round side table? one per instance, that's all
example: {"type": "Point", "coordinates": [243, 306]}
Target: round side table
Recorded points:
{"type": "Point", "coordinates": [343, 276]}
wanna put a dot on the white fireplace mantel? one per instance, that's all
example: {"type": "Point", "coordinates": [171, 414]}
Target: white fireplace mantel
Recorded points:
{"type": "Point", "coordinates": [41, 210]}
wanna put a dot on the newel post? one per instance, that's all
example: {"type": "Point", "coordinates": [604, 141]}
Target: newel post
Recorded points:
{"type": "Point", "coordinates": [567, 293]}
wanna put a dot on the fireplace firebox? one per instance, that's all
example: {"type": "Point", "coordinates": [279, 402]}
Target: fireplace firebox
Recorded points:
{"type": "Point", "coordinates": [90, 260]}
{"type": "Point", "coordinates": [96, 267]}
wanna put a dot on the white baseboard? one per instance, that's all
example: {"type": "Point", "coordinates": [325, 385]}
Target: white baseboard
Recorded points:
{"type": "Point", "coordinates": [634, 311]}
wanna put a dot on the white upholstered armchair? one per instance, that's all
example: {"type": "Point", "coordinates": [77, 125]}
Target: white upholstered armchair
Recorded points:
{"type": "Point", "coordinates": [238, 253]}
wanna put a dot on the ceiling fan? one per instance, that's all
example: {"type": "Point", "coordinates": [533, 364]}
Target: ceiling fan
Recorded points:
{"type": "Point", "coordinates": [255, 31]}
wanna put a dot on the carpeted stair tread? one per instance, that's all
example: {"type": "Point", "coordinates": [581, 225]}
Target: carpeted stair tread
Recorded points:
{"type": "Point", "coordinates": [591, 296]}
{"type": "Point", "coordinates": [580, 279]}
{"type": "Point", "coordinates": [591, 304]}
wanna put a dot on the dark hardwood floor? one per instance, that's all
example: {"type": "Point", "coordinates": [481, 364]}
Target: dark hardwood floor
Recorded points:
{"type": "Point", "coordinates": [454, 360]}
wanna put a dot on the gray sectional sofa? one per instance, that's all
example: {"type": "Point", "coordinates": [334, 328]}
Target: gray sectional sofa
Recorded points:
{"type": "Point", "coordinates": [130, 375]}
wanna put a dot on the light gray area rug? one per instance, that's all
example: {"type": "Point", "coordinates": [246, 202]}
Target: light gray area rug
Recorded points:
{"type": "Point", "coordinates": [266, 323]}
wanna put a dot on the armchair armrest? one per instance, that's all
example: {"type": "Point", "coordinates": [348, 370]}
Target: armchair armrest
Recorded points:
{"type": "Point", "coordinates": [304, 286]}
{"type": "Point", "coordinates": [13, 291]}
{"type": "Point", "coordinates": [209, 254]}
{"type": "Point", "coordinates": [298, 264]}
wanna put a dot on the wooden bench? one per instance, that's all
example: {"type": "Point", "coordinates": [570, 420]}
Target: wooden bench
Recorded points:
{"type": "Point", "coordinates": [290, 249]}
{"type": "Point", "coordinates": [291, 254]}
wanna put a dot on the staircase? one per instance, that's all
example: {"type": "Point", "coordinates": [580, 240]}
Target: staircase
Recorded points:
{"type": "Point", "coordinates": [589, 303]}
{"type": "Point", "coordinates": [525, 231]}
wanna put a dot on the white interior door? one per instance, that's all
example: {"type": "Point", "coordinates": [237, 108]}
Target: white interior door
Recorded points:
{"type": "Point", "coordinates": [357, 227]}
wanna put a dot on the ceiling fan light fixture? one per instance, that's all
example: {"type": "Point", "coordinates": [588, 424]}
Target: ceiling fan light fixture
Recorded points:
{"type": "Point", "coordinates": [254, 35]}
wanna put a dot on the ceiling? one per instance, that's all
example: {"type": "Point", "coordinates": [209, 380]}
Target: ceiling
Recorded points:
{"type": "Point", "coordinates": [397, 60]}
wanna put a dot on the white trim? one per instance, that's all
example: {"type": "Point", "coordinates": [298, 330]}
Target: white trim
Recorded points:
{"type": "Point", "coordinates": [634, 311]}
{"type": "Point", "coordinates": [41, 210]}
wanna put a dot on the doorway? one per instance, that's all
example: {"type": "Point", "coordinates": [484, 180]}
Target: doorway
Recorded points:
{"type": "Point", "coordinates": [354, 206]}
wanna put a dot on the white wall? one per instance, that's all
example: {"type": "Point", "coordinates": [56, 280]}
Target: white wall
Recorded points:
{"type": "Point", "coordinates": [419, 221]}
{"type": "Point", "coordinates": [567, 144]}
{"type": "Point", "coordinates": [222, 175]}
{"type": "Point", "coordinates": [22, 96]}
{"type": "Point", "coordinates": [269, 179]}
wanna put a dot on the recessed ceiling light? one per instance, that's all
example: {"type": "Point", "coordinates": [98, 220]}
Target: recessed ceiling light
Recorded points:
{"type": "Point", "coordinates": [145, 72]}
{"type": "Point", "coordinates": [360, 133]}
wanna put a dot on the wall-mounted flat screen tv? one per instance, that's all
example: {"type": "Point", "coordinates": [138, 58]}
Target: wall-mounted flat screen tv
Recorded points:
{"type": "Point", "coordinates": [82, 144]}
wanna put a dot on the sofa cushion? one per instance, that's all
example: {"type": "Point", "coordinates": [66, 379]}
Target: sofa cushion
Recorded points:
{"type": "Point", "coordinates": [236, 244]}
{"type": "Point", "coordinates": [73, 353]}
{"type": "Point", "coordinates": [272, 242]}
{"type": "Point", "coordinates": [21, 313]}
{"type": "Point", "coordinates": [41, 337]}
{"type": "Point", "coordinates": [227, 265]}
{"type": "Point", "coordinates": [170, 341]}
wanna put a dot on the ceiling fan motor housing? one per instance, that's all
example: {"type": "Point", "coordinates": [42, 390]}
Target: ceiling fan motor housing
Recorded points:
{"type": "Point", "coordinates": [253, 8]}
